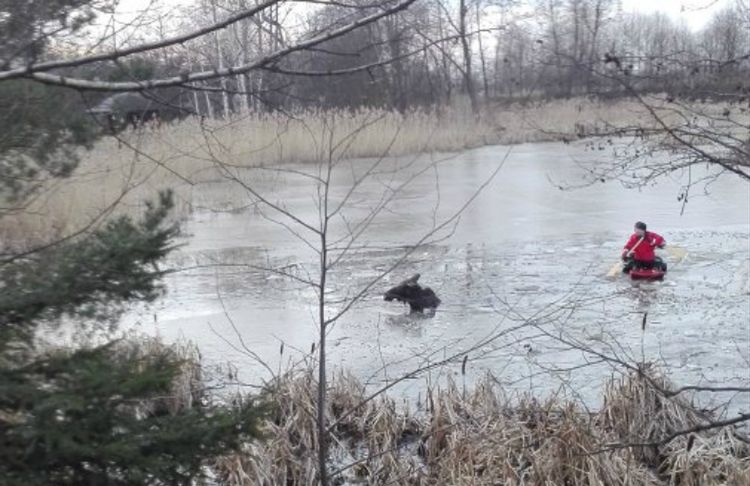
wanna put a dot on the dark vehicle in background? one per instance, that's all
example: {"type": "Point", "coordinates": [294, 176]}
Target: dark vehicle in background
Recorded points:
{"type": "Point", "coordinates": [120, 111]}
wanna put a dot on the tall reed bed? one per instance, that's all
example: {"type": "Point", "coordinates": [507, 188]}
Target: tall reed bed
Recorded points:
{"type": "Point", "coordinates": [119, 174]}
{"type": "Point", "coordinates": [487, 438]}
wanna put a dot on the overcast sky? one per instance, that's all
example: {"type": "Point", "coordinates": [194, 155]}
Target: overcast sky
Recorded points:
{"type": "Point", "coordinates": [694, 12]}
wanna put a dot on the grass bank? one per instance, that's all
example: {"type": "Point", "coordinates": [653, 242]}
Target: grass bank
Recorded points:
{"type": "Point", "coordinates": [644, 434]}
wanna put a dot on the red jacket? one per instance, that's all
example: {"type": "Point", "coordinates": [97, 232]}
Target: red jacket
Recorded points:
{"type": "Point", "coordinates": [645, 250]}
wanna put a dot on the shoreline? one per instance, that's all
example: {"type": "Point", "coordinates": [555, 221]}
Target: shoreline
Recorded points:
{"type": "Point", "coordinates": [483, 435]}
{"type": "Point", "coordinates": [184, 155]}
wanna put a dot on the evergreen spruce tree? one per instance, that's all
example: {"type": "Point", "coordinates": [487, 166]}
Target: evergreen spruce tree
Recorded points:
{"type": "Point", "coordinates": [85, 415]}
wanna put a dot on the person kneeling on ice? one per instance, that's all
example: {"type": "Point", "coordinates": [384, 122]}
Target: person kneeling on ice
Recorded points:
{"type": "Point", "coordinates": [639, 250]}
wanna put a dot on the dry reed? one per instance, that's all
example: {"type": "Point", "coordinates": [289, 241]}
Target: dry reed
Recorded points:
{"type": "Point", "coordinates": [117, 175]}
{"type": "Point", "coordinates": [187, 388]}
{"type": "Point", "coordinates": [486, 438]}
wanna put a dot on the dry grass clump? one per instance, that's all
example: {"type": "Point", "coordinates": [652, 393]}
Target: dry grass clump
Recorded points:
{"type": "Point", "coordinates": [366, 445]}
{"type": "Point", "coordinates": [719, 458]}
{"type": "Point", "coordinates": [485, 438]}
{"type": "Point", "coordinates": [640, 409]}
{"type": "Point", "coordinates": [187, 389]}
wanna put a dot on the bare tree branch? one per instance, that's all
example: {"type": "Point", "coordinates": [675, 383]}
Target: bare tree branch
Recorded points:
{"type": "Point", "coordinates": [188, 78]}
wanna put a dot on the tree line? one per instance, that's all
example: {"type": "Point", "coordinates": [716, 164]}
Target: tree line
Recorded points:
{"type": "Point", "coordinates": [438, 50]}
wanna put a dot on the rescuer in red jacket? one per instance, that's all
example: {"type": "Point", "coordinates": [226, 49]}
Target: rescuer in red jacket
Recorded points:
{"type": "Point", "coordinates": [639, 250]}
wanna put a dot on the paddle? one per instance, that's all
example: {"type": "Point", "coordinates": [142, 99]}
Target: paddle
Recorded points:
{"type": "Point", "coordinates": [617, 267]}
{"type": "Point", "coordinates": [676, 252]}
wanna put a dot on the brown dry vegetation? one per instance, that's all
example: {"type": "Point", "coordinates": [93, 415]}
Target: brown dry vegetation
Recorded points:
{"type": "Point", "coordinates": [182, 156]}
{"type": "Point", "coordinates": [486, 438]}
{"type": "Point", "coordinates": [188, 385]}
{"type": "Point", "coordinates": [119, 174]}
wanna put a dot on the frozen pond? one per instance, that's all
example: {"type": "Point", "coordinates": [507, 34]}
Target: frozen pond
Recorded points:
{"type": "Point", "coordinates": [521, 277]}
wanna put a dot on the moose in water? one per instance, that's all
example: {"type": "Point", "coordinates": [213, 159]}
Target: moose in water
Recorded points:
{"type": "Point", "coordinates": [136, 110]}
{"type": "Point", "coordinates": [410, 292]}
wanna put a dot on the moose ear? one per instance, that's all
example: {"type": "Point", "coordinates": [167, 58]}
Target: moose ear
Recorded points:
{"type": "Point", "coordinates": [411, 281]}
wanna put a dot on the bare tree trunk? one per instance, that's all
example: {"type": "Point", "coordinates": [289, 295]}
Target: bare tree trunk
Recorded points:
{"type": "Point", "coordinates": [398, 95]}
{"type": "Point", "coordinates": [209, 105]}
{"type": "Point", "coordinates": [522, 88]}
{"type": "Point", "coordinates": [559, 64]}
{"type": "Point", "coordinates": [433, 96]}
{"type": "Point", "coordinates": [322, 377]}
{"type": "Point", "coordinates": [261, 49]}
{"type": "Point", "coordinates": [468, 80]}
{"type": "Point", "coordinates": [220, 58]}
{"type": "Point", "coordinates": [496, 70]}
{"type": "Point", "coordinates": [243, 80]}
{"type": "Point", "coordinates": [444, 61]}
{"type": "Point", "coordinates": [243, 90]}
{"type": "Point", "coordinates": [481, 54]}
{"type": "Point", "coordinates": [593, 51]}
{"type": "Point", "coordinates": [196, 100]}
{"type": "Point", "coordinates": [573, 71]}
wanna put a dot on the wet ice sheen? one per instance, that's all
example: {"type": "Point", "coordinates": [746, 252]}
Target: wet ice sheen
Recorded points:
{"type": "Point", "coordinates": [523, 244]}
